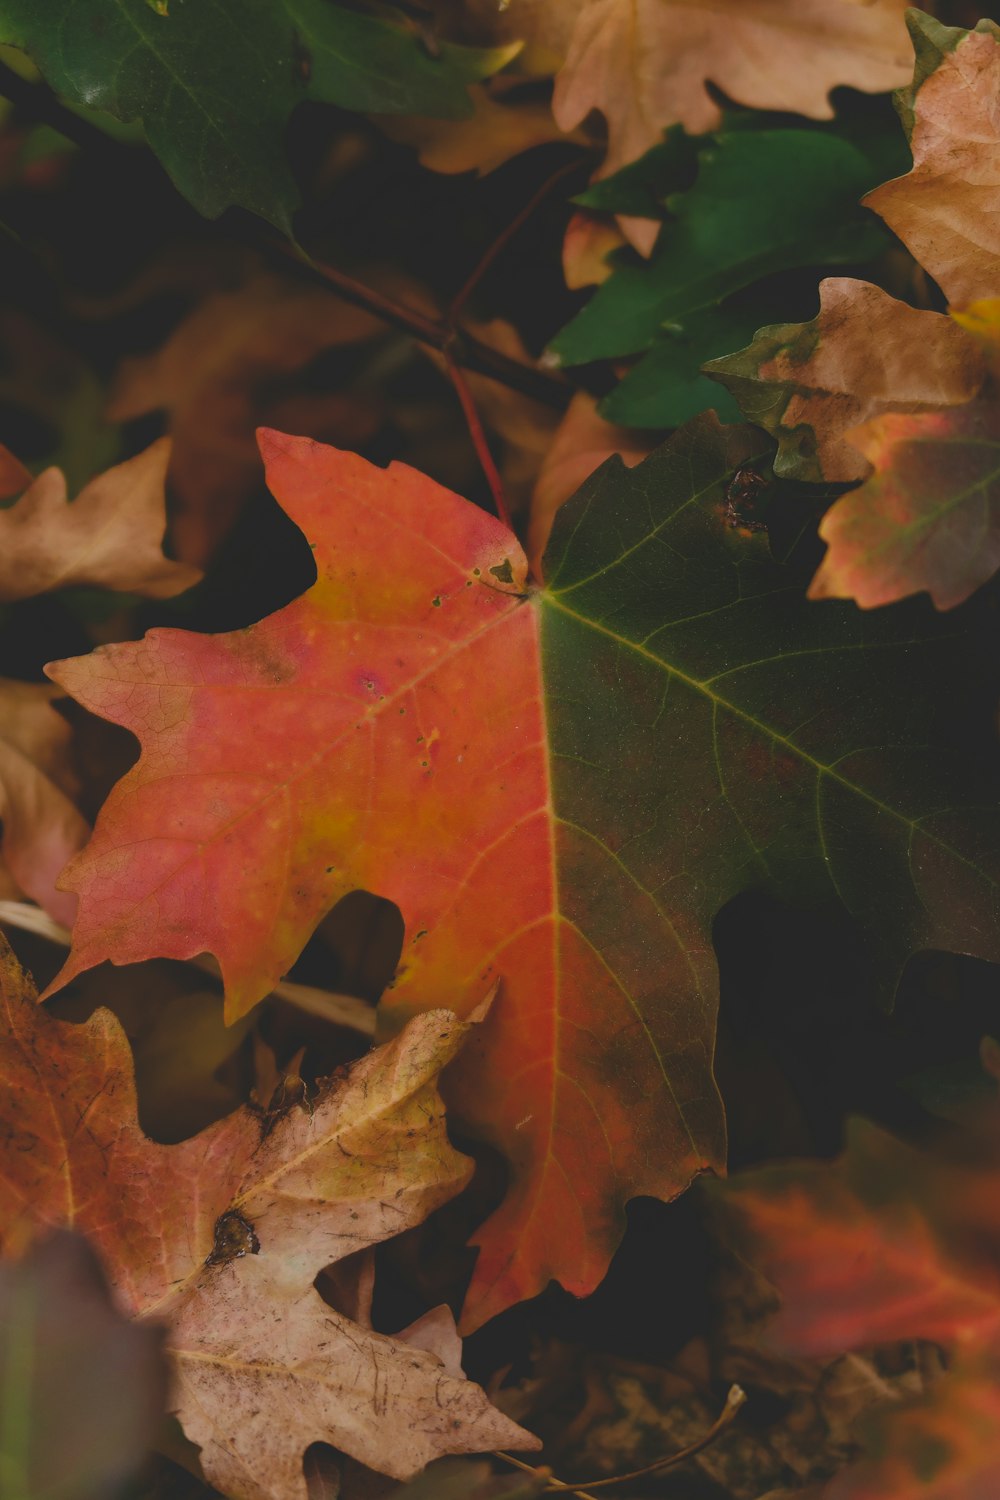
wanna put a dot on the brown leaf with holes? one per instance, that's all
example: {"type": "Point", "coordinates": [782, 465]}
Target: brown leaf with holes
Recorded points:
{"type": "Point", "coordinates": [41, 826]}
{"type": "Point", "coordinates": [223, 1235]}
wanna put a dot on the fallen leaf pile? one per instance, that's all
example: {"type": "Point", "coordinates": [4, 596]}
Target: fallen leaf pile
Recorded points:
{"type": "Point", "coordinates": [433, 678]}
{"type": "Point", "coordinates": [455, 810]}
{"type": "Point", "coordinates": [223, 1235]}
{"type": "Point", "coordinates": [872, 387]}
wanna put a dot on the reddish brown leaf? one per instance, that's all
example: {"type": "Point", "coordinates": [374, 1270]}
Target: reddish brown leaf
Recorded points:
{"type": "Point", "coordinates": [928, 516]}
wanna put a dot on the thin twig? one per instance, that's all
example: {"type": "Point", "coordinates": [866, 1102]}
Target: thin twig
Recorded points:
{"type": "Point", "coordinates": [342, 1010]}
{"type": "Point", "coordinates": [504, 238]}
{"type": "Point", "coordinates": [552, 1484]}
{"type": "Point", "coordinates": [736, 1398]}
{"type": "Point", "coordinates": [470, 352]}
{"type": "Point", "coordinates": [38, 103]}
{"type": "Point", "coordinates": [458, 380]}
{"type": "Point", "coordinates": [478, 436]}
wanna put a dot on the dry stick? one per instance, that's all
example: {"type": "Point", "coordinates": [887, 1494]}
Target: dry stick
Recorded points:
{"type": "Point", "coordinates": [478, 436]}
{"type": "Point", "coordinates": [737, 1396]}
{"type": "Point", "coordinates": [458, 380]}
{"type": "Point", "coordinates": [342, 1010]}
{"type": "Point", "coordinates": [504, 238]}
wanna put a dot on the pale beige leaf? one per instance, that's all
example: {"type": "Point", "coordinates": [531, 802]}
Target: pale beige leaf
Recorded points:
{"type": "Point", "coordinates": [947, 209]}
{"type": "Point", "coordinates": [646, 64]}
{"type": "Point", "coordinates": [41, 827]}
{"type": "Point", "coordinates": [110, 537]}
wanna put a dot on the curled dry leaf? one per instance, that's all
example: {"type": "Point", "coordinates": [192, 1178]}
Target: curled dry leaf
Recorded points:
{"type": "Point", "coordinates": [646, 64]}
{"type": "Point", "coordinates": [223, 1235]}
{"type": "Point", "coordinates": [110, 537]}
{"type": "Point", "coordinates": [502, 125]}
{"type": "Point", "coordinates": [589, 241]}
{"type": "Point", "coordinates": [41, 826]}
{"type": "Point", "coordinates": [864, 354]}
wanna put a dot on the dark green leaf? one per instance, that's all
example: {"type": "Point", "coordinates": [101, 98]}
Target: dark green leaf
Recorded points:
{"type": "Point", "coordinates": [763, 201]}
{"type": "Point", "coordinates": [213, 82]}
{"type": "Point", "coordinates": [667, 387]}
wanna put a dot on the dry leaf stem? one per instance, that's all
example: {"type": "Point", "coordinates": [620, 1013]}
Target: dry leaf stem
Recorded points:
{"type": "Point", "coordinates": [734, 1400]}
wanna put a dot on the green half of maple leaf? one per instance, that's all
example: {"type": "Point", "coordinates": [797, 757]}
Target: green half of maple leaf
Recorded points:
{"type": "Point", "coordinates": [559, 787]}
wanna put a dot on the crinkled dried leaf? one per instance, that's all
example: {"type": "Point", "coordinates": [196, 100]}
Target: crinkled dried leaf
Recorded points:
{"type": "Point", "coordinates": [646, 64]}
{"type": "Point", "coordinates": [947, 209]}
{"type": "Point", "coordinates": [640, 745]}
{"type": "Point", "coordinates": [864, 354]}
{"type": "Point", "coordinates": [82, 1388]}
{"type": "Point", "coordinates": [111, 536]}
{"type": "Point", "coordinates": [927, 518]}
{"type": "Point", "coordinates": [223, 1234]}
{"type": "Point", "coordinates": [41, 826]}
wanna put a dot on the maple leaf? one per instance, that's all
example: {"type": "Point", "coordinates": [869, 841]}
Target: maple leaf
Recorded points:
{"type": "Point", "coordinates": [41, 825]}
{"type": "Point", "coordinates": [894, 1243]}
{"type": "Point", "coordinates": [82, 1388]}
{"type": "Point", "coordinates": [223, 1235]}
{"type": "Point", "coordinates": [864, 354]}
{"type": "Point", "coordinates": [646, 64]}
{"type": "Point", "coordinates": [110, 537]}
{"type": "Point", "coordinates": [639, 744]}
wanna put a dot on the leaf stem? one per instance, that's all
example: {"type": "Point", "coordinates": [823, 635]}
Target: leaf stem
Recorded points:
{"type": "Point", "coordinates": [504, 238]}
{"type": "Point", "coordinates": [734, 1400]}
{"type": "Point", "coordinates": [478, 436]}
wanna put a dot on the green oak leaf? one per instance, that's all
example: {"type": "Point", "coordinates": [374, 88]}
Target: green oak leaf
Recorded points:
{"type": "Point", "coordinates": [213, 82]}
{"type": "Point", "coordinates": [763, 201]}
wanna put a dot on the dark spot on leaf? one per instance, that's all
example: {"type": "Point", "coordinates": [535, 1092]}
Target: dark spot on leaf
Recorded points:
{"type": "Point", "coordinates": [436, 601]}
{"type": "Point", "coordinates": [234, 1238]}
{"type": "Point", "coordinates": [504, 571]}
